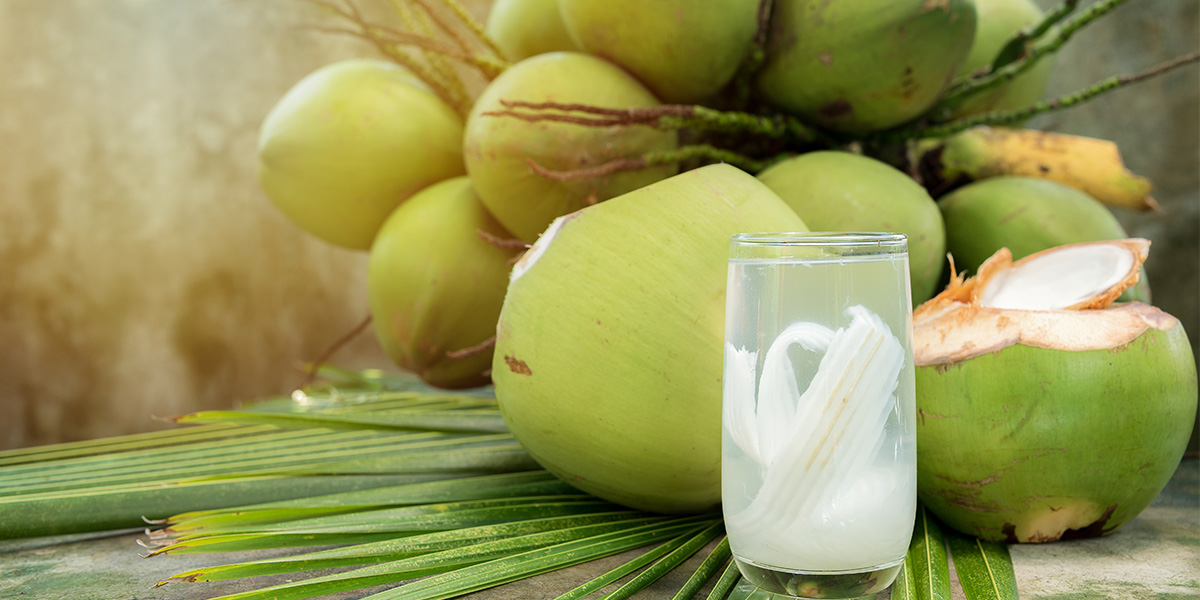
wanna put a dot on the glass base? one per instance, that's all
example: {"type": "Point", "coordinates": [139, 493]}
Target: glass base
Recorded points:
{"type": "Point", "coordinates": [815, 585]}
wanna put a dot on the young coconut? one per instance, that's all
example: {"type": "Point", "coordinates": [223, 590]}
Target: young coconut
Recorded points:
{"type": "Point", "coordinates": [524, 28]}
{"type": "Point", "coordinates": [839, 191]}
{"type": "Point", "coordinates": [609, 348]}
{"type": "Point", "coordinates": [867, 65]}
{"type": "Point", "coordinates": [1044, 413]}
{"type": "Point", "coordinates": [499, 149]}
{"type": "Point", "coordinates": [1025, 215]}
{"type": "Point", "coordinates": [685, 51]}
{"type": "Point", "coordinates": [436, 284]}
{"type": "Point", "coordinates": [350, 142]}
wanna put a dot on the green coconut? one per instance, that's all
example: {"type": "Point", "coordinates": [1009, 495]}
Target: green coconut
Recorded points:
{"type": "Point", "coordinates": [1025, 215]}
{"type": "Point", "coordinates": [436, 284]}
{"type": "Point", "coordinates": [998, 21]}
{"type": "Point", "coordinates": [609, 348]}
{"type": "Point", "coordinates": [867, 65]}
{"type": "Point", "coordinates": [350, 142]}
{"type": "Point", "coordinates": [499, 149]}
{"type": "Point", "coordinates": [1044, 413]}
{"type": "Point", "coordinates": [524, 28]}
{"type": "Point", "coordinates": [839, 191]}
{"type": "Point", "coordinates": [685, 51]}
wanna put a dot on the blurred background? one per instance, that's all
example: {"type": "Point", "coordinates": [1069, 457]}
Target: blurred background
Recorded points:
{"type": "Point", "coordinates": [144, 274]}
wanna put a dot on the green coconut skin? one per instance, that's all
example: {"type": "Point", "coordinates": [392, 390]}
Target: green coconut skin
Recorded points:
{"type": "Point", "coordinates": [497, 149]}
{"type": "Point", "coordinates": [524, 28]}
{"type": "Point", "coordinates": [684, 50]}
{"type": "Point", "coordinates": [839, 191]}
{"type": "Point", "coordinates": [609, 348]}
{"type": "Point", "coordinates": [998, 21]}
{"type": "Point", "coordinates": [350, 142]}
{"type": "Point", "coordinates": [435, 286]}
{"type": "Point", "coordinates": [1011, 443]}
{"type": "Point", "coordinates": [1025, 215]}
{"type": "Point", "coordinates": [824, 63]}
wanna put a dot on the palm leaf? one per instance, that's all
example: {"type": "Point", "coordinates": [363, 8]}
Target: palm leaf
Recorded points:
{"type": "Point", "coordinates": [984, 569]}
{"type": "Point", "coordinates": [405, 481]}
{"type": "Point", "coordinates": [926, 574]}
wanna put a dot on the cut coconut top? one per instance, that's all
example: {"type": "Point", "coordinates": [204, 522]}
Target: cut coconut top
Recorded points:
{"type": "Point", "coordinates": [1053, 299]}
{"type": "Point", "coordinates": [1073, 277]}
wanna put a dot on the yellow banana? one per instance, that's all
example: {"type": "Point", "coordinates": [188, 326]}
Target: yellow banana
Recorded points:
{"type": "Point", "coordinates": [1090, 165]}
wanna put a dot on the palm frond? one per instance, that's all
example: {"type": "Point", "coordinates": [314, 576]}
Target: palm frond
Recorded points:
{"type": "Point", "coordinates": [412, 487]}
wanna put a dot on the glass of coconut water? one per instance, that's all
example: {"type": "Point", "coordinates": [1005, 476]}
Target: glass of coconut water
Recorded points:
{"type": "Point", "coordinates": [818, 433]}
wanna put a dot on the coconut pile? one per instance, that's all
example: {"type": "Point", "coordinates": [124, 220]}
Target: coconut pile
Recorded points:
{"type": "Point", "coordinates": [546, 201]}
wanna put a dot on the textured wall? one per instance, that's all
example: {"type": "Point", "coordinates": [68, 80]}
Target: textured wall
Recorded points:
{"type": "Point", "coordinates": [142, 272]}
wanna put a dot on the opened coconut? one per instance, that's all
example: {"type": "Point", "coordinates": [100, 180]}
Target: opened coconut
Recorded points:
{"type": "Point", "coordinates": [1044, 411]}
{"type": "Point", "coordinates": [609, 348]}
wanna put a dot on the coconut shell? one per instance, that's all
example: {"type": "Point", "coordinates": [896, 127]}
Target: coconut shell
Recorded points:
{"type": "Point", "coordinates": [1036, 444]}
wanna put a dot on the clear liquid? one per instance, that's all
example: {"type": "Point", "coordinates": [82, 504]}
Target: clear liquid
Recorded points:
{"type": "Point", "coordinates": [838, 524]}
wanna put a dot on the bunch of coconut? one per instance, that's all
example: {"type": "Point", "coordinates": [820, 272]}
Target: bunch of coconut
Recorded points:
{"type": "Point", "coordinates": [563, 233]}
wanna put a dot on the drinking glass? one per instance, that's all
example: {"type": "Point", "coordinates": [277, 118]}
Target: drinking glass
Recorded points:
{"type": "Point", "coordinates": [818, 463]}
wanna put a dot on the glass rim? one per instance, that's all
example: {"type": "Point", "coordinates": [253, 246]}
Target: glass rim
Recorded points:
{"type": "Point", "coordinates": [819, 238]}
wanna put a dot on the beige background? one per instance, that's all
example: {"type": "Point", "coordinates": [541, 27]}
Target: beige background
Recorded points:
{"type": "Point", "coordinates": [143, 273]}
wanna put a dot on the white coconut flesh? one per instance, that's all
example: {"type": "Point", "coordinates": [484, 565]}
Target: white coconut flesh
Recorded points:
{"type": "Point", "coordinates": [1061, 279]}
{"type": "Point", "coordinates": [1056, 299]}
{"type": "Point", "coordinates": [817, 443]}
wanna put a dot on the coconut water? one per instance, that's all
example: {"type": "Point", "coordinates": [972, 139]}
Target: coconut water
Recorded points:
{"type": "Point", "coordinates": [818, 449]}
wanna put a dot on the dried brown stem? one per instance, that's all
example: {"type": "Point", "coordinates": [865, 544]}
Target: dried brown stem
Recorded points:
{"type": "Point", "coordinates": [440, 64]}
{"type": "Point", "coordinates": [479, 348]}
{"type": "Point", "coordinates": [557, 118]}
{"type": "Point", "coordinates": [441, 24]}
{"type": "Point", "coordinates": [331, 350]}
{"type": "Point", "coordinates": [476, 28]}
{"type": "Point", "coordinates": [608, 168]}
{"type": "Point", "coordinates": [642, 114]}
{"type": "Point", "coordinates": [502, 243]}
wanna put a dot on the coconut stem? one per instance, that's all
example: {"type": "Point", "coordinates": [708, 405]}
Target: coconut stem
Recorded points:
{"type": "Point", "coordinates": [757, 55]}
{"type": "Point", "coordinates": [669, 117]}
{"type": "Point", "coordinates": [370, 33]}
{"type": "Point", "coordinates": [439, 63]}
{"type": "Point", "coordinates": [654, 159]}
{"type": "Point", "coordinates": [502, 243]}
{"type": "Point", "coordinates": [1015, 47]}
{"type": "Point", "coordinates": [476, 28]}
{"type": "Point", "coordinates": [479, 348]}
{"type": "Point", "coordinates": [1032, 54]}
{"type": "Point", "coordinates": [328, 353]}
{"type": "Point", "coordinates": [1059, 103]}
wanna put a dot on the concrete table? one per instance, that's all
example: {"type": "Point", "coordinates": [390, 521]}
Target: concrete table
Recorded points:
{"type": "Point", "coordinates": [1156, 556]}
